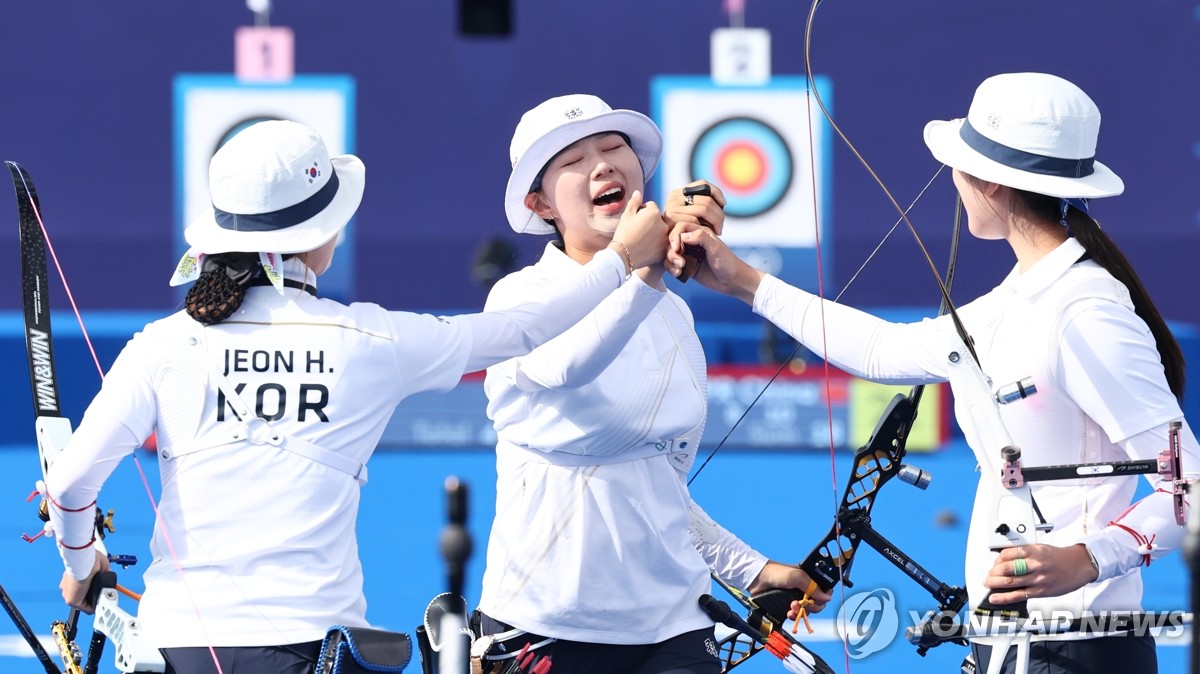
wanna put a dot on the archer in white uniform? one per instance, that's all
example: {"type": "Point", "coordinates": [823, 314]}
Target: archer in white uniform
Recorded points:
{"type": "Point", "coordinates": [596, 541]}
{"type": "Point", "coordinates": [268, 401]}
{"type": "Point", "coordinates": [1073, 317]}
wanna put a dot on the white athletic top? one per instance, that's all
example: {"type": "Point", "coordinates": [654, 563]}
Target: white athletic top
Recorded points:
{"type": "Point", "coordinates": [264, 538]}
{"type": "Point", "coordinates": [596, 538]}
{"type": "Point", "coordinates": [1101, 397]}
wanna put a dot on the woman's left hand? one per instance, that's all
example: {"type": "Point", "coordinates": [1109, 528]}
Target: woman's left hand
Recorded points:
{"type": "Point", "coordinates": [1048, 571]}
{"type": "Point", "coordinates": [785, 576]}
{"type": "Point", "coordinates": [75, 592]}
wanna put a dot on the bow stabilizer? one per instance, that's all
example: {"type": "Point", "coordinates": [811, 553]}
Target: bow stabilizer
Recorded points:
{"type": "Point", "coordinates": [758, 632]}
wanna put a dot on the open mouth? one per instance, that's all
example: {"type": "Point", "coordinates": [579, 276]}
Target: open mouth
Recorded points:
{"type": "Point", "coordinates": [611, 196]}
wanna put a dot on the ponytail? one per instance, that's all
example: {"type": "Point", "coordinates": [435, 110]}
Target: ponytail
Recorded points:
{"type": "Point", "coordinates": [1104, 252]}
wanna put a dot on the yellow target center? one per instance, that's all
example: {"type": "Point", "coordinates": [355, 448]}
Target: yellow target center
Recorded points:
{"type": "Point", "coordinates": [742, 167]}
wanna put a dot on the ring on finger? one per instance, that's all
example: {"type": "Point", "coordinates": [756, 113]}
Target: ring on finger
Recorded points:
{"type": "Point", "coordinates": [687, 199]}
{"type": "Point", "coordinates": [1020, 567]}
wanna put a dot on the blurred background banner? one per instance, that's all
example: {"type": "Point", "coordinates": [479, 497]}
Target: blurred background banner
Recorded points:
{"type": "Point", "coordinates": [211, 108]}
{"type": "Point", "coordinates": [799, 411]}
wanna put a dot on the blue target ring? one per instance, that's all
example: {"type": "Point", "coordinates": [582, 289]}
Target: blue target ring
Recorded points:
{"type": "Point", "coordinates": [749, 160]}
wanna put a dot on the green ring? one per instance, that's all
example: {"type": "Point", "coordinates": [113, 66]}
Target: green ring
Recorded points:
{"type": "Point", "coordinates": [1020, 568]}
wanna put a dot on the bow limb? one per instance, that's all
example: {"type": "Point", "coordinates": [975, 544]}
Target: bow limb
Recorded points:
{"type": "Point", "coordinates": [875, 463]}
{"type": "Point", "coordinates": [988, 437]}
{"type": "Point", "coordinates": [757, 633]}
{"type": "Point", "coordinates": [943, 287]}
{"type": "Point", "coordinates": [27, 633]}
{"type": "Point", "coordinates": [53, 432]}
{"type": "Point", "coordinates": [881, 458]}
{"type": "Point", "coordinates": [902, 219]}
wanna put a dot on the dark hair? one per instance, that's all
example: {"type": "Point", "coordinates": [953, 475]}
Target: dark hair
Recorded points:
{"type": "Point", "coordinates": [1104, 251]}
{"type": "Point", "coordinates": [221, 287]}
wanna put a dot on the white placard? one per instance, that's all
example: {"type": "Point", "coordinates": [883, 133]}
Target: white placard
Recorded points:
{"type": "Point", "coordinates": [741, 56]}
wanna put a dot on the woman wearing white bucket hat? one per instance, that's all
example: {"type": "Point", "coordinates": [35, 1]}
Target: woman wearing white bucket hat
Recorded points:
{"type": "Point", "coordinates": [1073, 317]}
{"type": "Point", "coordinates": [597, 547]}
{"type": "Point", "coordinates": [268, 401]}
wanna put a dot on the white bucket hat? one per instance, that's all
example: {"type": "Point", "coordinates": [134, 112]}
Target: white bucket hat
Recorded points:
{"type": "Point", "coordinates": [550, 127]}
{"type": "Point", "coordinates": [1029, 131]}
{"type": "Point", "coordinates": [275, 189]}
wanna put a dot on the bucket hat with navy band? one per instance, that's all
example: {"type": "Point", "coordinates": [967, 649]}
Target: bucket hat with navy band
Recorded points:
{"type": "Point", "coordinates": [275, 189]}
{"type": "Point", "coordinates": [1030, 131]}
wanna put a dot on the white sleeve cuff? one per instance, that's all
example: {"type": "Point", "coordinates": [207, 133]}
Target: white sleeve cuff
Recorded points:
{"type": "Point", "coordinates": [1114, 550]}
{"type": "Point", "coordinates": [614, 260]}
{"type": "Point", "coordinates": [773, 297]}
{"type": "Point", "coordinates": [728, 557]}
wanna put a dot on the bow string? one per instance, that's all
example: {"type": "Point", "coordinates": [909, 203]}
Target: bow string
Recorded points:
{"type": "Point", "coordinates": [29, 212]}
{"type": "Point", "coordinates": [879, 460]}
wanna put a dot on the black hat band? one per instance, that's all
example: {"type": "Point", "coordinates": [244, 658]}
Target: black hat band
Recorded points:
{"type": "Point", "coordinates": [284, 217]}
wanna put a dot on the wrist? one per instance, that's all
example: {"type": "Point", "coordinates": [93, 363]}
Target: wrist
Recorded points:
{"type": "Point", "coordinates": [1093, 573]}
{"type": "Point", "coordinates": [747, 283]}
{"type": "Point", "coordinates": [623, 251]}
{"type": "Point", "coordinates": [761, 582]}
{"type": "Point", "coordinates": [651, 275]}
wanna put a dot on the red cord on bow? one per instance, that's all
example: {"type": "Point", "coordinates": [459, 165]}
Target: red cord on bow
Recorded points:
{"type": "Point", "coordinates": [141, 471]}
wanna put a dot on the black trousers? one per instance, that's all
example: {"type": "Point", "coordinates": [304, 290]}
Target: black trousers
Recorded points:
{"type": "Point", "coordinates": [287, 659]}
{"type": "Point", "coordinates": [689, 653]}
{"type": "Point", "coordinates": [1134, 655]}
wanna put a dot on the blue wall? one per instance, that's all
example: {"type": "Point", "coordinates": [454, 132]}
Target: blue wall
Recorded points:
{"type": "Point", "coordinates": [89, 113]}
{"type": "Point", "coordinates": [454, 420]}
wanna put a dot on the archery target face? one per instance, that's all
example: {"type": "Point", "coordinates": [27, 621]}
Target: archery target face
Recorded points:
{"type": "Point", "coordinates": [749, 160]}
{"type": "Point", "coordinates": [755, 144]}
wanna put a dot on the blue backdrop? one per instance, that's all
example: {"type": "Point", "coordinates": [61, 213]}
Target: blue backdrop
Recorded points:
{"type": "Point", "coordinates": [89, 114]}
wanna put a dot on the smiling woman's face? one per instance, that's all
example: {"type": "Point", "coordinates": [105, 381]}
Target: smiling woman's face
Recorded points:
{"type": "Point", "coordinates": [591, 177]}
